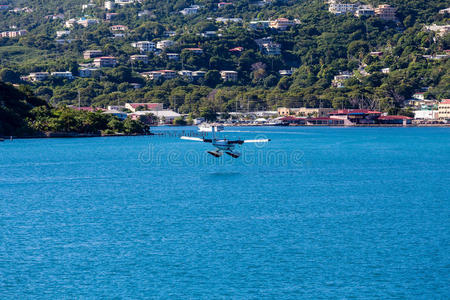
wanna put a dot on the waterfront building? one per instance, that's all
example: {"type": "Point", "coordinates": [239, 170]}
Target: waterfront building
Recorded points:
{"type": "Point", "coordinates": [356, 116]}
{"type": "Point", "coordinates": [444, 110]}
{"type": "Point", "coordinates": [305, 112]}
{"type": "Point", "coordinates": [324, 121]}
{"type": "Point", "coordinates": [394, 120]}
{"type": "Point", "coordinates": [426, 114]}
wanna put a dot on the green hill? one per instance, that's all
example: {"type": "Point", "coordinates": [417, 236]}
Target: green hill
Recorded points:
{"type": "Point", "coordinates": [319, 46]}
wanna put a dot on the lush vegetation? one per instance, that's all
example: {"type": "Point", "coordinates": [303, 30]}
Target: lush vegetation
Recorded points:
{"type": "Point", "coordinates": [23, 114]}
{"type": "Point", "coordinates": [318, 48]}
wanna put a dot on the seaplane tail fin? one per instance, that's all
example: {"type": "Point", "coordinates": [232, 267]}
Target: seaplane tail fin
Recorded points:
{"type": "Point", "coordinates": [190, 138]}
{"type": "Point", "coordinates": [257, 141]}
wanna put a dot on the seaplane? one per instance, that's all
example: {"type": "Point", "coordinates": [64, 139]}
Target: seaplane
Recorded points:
{"type": "Point", "coordinates": [223, 145]}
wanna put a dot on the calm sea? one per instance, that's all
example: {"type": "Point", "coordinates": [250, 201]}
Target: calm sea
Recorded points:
{"type": "Point", "coordinates": [316, 213]}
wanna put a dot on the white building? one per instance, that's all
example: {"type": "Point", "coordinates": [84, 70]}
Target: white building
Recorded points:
{"type": "Point", "coordinates": [65, 75]}
{"type": "Point", "coordinates": [124, 2]}
{"type": "Point", "coordinates": [87, 72]}
{"type": "Point", "coordinates": [139, 57]}
{"type": "Point", "coordinates": [144, 46]}
{"type": "Point", "coordinates": [13, 34]}
{"type": "Point", "coordinates": [229, 75]}
{"type": "Point", "coordinates": [258, 25]}
{"type": "Point", "coordinates": [339, 80]}
{"type": "Point", "coordinates": [271, 48]}
{"type": "Point", "coordinates": [419, 96]}
{"type": "Point", "coordinates": [38, 76]}
{"type": "Point", "coordinates": [192, 10]}
{"type": "Point", "coordinates": [62, 33]}
{"type": "Point", "coordinates": [109, 5]}
{"type": "Point", "coordinates": [440, 30]}
{"type": "Point", "coordinates": [342, 8]}
{"type": "Point", "coordinates": [426, 114]}
{"type": "Point", "coordinates": [173, 56]}
{"type": "Point", "coordinates": [164, 44]}
{"type": "Point", "coordinates": [281, 24]}
{"type": "Point", "coordinates": [82, 21]}
{"type": "Point", "coordinates": [160, 74]}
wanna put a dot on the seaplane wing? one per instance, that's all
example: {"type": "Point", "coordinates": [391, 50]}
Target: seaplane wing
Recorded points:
{"type": "Point", "coordinates": [196, 139]}
{"type": "Point", "coordinates": [257, 141]}
{"type": "Point", "coordinates": [190, 138]}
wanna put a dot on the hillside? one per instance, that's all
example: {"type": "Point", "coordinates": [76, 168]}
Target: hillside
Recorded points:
{"type": "Point", "coordinates": [385, 61]}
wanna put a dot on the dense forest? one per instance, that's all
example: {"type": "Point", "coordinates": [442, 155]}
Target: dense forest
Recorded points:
{"type": "Point", "coordinates": [318, 47]}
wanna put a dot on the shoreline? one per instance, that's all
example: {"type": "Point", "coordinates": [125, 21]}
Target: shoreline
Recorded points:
{"type": "Point", "coordinates": [58, 135]}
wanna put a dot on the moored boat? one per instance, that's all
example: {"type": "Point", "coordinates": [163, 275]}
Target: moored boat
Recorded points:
{"type": "Point", "coordinates": [205, 127]}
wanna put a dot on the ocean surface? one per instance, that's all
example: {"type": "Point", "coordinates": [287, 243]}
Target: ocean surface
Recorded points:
{"type": "Point", "coordinates": [316, 213]}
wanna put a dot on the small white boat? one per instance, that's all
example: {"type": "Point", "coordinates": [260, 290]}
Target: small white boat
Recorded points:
{"type": "Point", "coordinates": [205, 127]}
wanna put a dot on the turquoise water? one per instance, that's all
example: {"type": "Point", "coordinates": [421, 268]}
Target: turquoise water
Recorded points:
{"type": "Point", "coordinates": [316, 213]}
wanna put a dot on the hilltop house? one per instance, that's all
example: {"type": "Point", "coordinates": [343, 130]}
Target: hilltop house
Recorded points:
{"type": "Point", "coordinates": [64, 75]}
{"type": "Point", "coordinates": [144, 46]}
{"type": "Point", "coordinates": [161, 74]}
{"type": "Point", "coordinates": [38, 76]}
{"type": "Point", "coordinates": [194, 50]}
{"type": "Point", "coordinates": [164, 44]}
{"type": "Point", "coordinates": [339, 80]}
{"type": "Point", "coordinates": [139, 57]}
{"type": "Point", "coordinates": [105, 62]}
{"type": "Point", "coordinates": [88, 54]}
{"type": "Point", "coordinates": [118, 28]}
{"type": "Point", "coordinates": [385, 12]}
{"type": "Point", "coordinates": [192, 10]}
{"type": "Point", "coordinates": [281, 24]}
{"type": "Point", "coordinates": [259, 25]}
{"type": "Point", "coordinates": [229, 75]}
